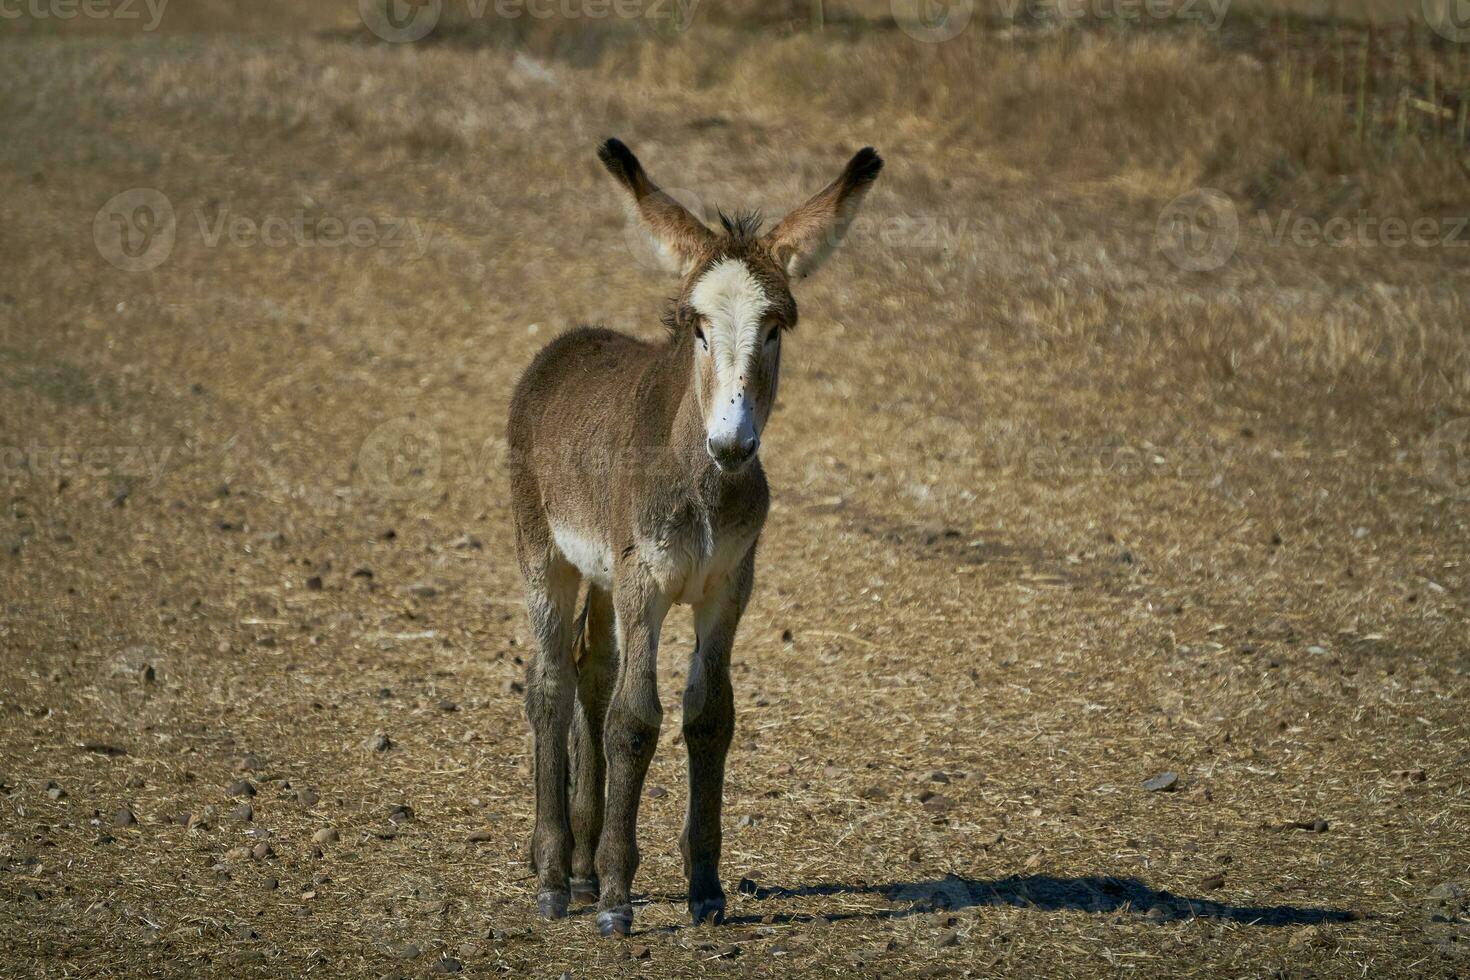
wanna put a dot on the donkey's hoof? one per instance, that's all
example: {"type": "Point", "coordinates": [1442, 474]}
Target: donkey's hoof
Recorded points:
{"type": "Point", "coordinates": [616, 922]}
{"type": "Point", "coordinates": [711, 910]}
{"type": "Point", "coordinates": [552, 905]}
{"type": "Point", "coordinates": [585, 890]}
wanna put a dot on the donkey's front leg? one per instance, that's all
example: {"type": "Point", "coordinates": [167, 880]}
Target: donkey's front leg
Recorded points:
{"type": "Point", "coordinates": [709, 724]}
{"type": "Point", "coordinates": [630, 734]}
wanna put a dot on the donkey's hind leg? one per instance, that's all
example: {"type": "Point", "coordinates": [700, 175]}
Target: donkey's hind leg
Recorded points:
{"type": "Point", "coordinates": [551, 685]}
{"type": "Point", "coordinates": [597, 664]}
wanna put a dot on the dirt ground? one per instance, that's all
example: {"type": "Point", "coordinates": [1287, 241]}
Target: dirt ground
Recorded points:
{"type": "Point", "coordinates": [1061, 504]}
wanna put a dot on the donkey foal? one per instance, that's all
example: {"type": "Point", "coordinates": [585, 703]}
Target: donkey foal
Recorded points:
{"type": "Point", "coordinates": [633, 466]}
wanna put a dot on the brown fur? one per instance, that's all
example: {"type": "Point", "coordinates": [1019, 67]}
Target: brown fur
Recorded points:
{"type": "Point", "coordinates": [608, 445]}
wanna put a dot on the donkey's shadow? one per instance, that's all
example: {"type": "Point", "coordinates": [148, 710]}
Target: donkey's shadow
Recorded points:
{"type": "Point", "coordinates": [1097, 894]}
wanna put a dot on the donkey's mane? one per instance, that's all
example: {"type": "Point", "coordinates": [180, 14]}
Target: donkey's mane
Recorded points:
{"type": "Point", "coordinates": [742, 226]}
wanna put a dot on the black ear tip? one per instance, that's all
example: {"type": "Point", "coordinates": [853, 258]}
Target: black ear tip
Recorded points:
{"type": "Point", "coordinates": [616, 156]}
{"type": "Point", "coordinates": [865, 165]}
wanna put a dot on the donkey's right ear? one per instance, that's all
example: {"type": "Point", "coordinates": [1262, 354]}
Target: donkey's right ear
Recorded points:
{"type": "Point", "coordinates": [678, 237]}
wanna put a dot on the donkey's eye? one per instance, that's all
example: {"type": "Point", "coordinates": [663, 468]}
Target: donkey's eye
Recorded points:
{"type": "Point", "coordinates": [699, 335]}
{"type": "Point", "coordinates": [773, 336]}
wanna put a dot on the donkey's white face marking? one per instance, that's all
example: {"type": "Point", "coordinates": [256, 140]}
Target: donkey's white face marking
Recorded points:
{"type": "Point", "coordinates": [732, 302]}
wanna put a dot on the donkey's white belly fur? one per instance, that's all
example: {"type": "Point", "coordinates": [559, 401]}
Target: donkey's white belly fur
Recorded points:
{"type": "Point", "coordinates": [591, 557]}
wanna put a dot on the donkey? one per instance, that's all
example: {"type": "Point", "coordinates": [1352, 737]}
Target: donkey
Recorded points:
{"type": "Point", "coordinates": [633, 466]}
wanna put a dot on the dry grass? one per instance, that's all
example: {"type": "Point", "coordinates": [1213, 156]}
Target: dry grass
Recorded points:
{"type": "Point", "coordinates": [1052, 514]}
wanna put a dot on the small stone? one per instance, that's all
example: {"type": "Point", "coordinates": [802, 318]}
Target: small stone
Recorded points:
{"type": "Point", "coordinates": [746, 821]}
{"type": "Point", "coordinates": [1164, 782]}
{"type": "Point", "coordinates": [308, 797]}
{"type": "Point", "coordinates": [938, 805]}
{"type": "Point", "coordinates": [262, 851]}
{"type": "Point", "coordinates": [656, 792]}
{"type": "Point", "coordinates": [409, 952]}
{"type": "Point", "coordinates": [1157, 914]}
{"type": "Point", "coordinates": [314, 584]}
{"type": "Point", "coordinates": [124, 818]}
{"type": "Point", "coordinates": [1447, 891]}
{"type": "Point", "coordinates": [448, 964]}
{"type": "Point", "coordinates": [875, 793]}
{"type": "Point", "coordinates": [947, 938]}
{"type": "Point", "coordinates": [639, 952]}
{"type": "Point", "coordinates": [55, 791]}
{"type": "Point", "coordinates": [326, 835]}
{"type": "Point", "coordinates": [480, 837]}
{"type": "Point", "coordinates": [401, 813]}
{"type": "Point", "coordinates": [244, 813]}
{"type": "Point", "coordinates": [448, 706]}
{"type": "Point", "coordinates": [423, 590]}
{"type": "Point", "coordinates": [939, 777]}
{"type": "Point", "coordinates": [1212, 882]}
{"type": "Point", "coordinates": [378, 742]}
{"type": "Point", "coordinates": [271, 884]}
{"type": "Point", "coordinates": [243, 788]}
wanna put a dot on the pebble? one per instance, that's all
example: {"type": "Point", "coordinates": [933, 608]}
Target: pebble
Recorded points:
{"type": "Point", "coordinates": [947, 938]}
{"type": "Point", "coordinates": [657, 792]}
{"type": "Point", "coordinates": [244, 813]}
{"type": "Point", "coordinates": [1212, 882]}
{"type": "Point", "coordinates": [938, 805]}
{"type": "Point", "coordinates": [308, 797]}
{"type": "Point", "coordinates": [124, 818]}
{"type": "Point", "coordinates": [480, 837]}
{"type": "Point", "coordinates": [1447, 891]}
{"type": "Point", "coordinates": [448, 964]}
{"type": "Point", "coordinates": [378, 742]}
{"type": "Point", "coordinates": [409, 952]}
{"type": "Point", "coordinates": [271, 884]}
{"type": "Point", "coordinates": [262, 851]}
{"type": "Point", "coordinates": [639, 952]}
{"type": "Point", "coordinates": [243, 788]}
{"type": "Point", "coordinates": [401, 813]}
{"type": "Point", "coordinates": [1164, 782]}
{"type": "Point", "coordinates": [326, 836]}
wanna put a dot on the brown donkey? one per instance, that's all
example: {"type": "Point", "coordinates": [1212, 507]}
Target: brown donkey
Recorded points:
{"type": "Point", "coordinates": [633, 466]}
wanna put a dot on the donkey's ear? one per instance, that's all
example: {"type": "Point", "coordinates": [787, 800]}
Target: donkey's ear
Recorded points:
{"type": "Point", "coordinates": [806, 236]}
{"type": "Point", "coordinates": [678, 236]}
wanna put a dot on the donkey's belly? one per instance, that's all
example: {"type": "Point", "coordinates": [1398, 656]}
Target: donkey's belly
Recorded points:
{"type": "Point", "coordinates": [591, 557]}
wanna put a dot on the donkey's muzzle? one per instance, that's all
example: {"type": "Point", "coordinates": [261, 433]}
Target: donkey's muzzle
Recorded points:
{"type": "Point", "coordinates": [732, 455]}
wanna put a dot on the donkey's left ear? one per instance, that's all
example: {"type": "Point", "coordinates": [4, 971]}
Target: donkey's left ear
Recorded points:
{"type": "Point", "coordinates": [806, 236]}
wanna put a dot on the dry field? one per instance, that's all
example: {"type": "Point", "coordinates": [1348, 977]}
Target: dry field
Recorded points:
{"type": "Point", "coordinates": [1073, 487]}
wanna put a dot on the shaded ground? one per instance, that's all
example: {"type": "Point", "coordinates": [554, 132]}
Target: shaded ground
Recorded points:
{"type": "Point", "coordinates": [1052, 517]}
